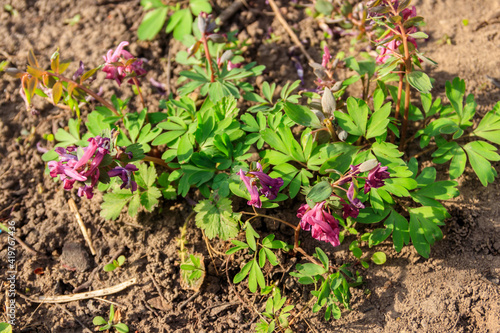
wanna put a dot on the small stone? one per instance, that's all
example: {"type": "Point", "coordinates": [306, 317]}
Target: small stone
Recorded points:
{"type": "Point", "coordinates": [74, 257]}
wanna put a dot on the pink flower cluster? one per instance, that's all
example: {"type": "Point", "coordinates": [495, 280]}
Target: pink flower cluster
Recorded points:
{"type": "Point", "coordinates": [86, 168]}
{"type": "Point", "coordinates": [120, 64]}
{"type": "Point", "coordinates": [72, 169]}
{"type": "Point", "coordinates": [391, 47]}
{"type": "Point", "coordinates": [321, 223]}
{"type": "Point", "coordinates": [323, 226]}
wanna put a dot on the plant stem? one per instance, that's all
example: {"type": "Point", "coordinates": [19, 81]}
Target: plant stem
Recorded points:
{"type": "Point", "coordinates": [207, 55]}
{"type": "Point", "coordinates": [398, 103]}
{"type": "Point", "coordinates": [407, 64]}
{"type": "Point", "coordinates": [88, 92]}
{"type": "Point", "coordinates": [136, 82]}
{"type": "Point", "coordinates": [272, 218]}
{"type": "Point", "coordinates": [158, 161]}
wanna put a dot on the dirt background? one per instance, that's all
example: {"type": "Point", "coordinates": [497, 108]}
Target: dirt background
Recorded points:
{"type": "Point", "coordinates": [455, 290]}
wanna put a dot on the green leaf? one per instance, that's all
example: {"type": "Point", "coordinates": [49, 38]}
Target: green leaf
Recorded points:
{"type": "Point", "coordinates": [322, 257]}
{"type": "Point", "coordinates": [457, 165]}
{"type": "Point", "coordinates": [369, 215]}
{"type": "Point", "coordinates": [109, 267]}
{"type": "Point", "coordinates": [57, 91]}
{"type": "Point", "coordinates": [198, 6]}
{"type": "Point", "coordinates": [310, 269]}
{"type": "Point", "coordinates": [121, 327]}
{"type": "Point", "coordinates": [324, 7]}
{"type": "Point", "coordinates": [255, 277]}
{"type": "Point", "coordinates": [489, 127]}
{"type": "Point", "coordinates": [113, 204]}
{"type": "Point", "coordinates": [301, 115]}
{"type": "Point", "coordinates": [149, 199]}
{"type": "Point", "coordinates": [377, 125]}
{"type": "Point", "coordinates": [320, 192]}
{"type": "Point", "coordinates": [5, 328]}
{"type": "Point", "coordinates": [481, 166]}
{"type": "Point", "coordinates": [185, 149]}
{"type": "Point", "coordinates": [217, 218]}
{"type": "Point", "coordinates": [250, 235]}
{"type": "Point", "coordinates": [243, 272]}
{"type": "Point", "coordinates": [455, 91]}
{"type": "Point", "coordinates": [98, 321]}
{"type": "Point", "coordinates": [400, 233]}
{"type": "Point", "coordinates": [181, 23]}
{"type": "Point", "coordinates": [441, 190]}
{"type": "Point", "coordinates": [121, 260]}
{"type": "Point", "coordinates": [419, 81]}
{"type": "Point", "coordinates": [355, 121]}
{"type": "Point", "coordinates": [426, 177]}
{"type": "Point", "coordinates": [152, 23]}
{"type": "Point", "coordinates": [379, 258]}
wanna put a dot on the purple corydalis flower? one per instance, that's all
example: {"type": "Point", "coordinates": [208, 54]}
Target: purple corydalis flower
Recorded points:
{"type": "Point", "coordinates": [252, 189]}
{"type": "Point", "coordinates": [118, 67]}
{"type": "Point", "coordinates": [351, 193]}
{"type": "Point", "coordinates": [125, 173]}
{"type": "Point", "coordinates": [259, 183]}
{"type": "Point", "coordinates": [323, 226]}
{"type": "Point", "coordinates": [270, 186]}
{"type": "Point", "coordinates": [376, 177]}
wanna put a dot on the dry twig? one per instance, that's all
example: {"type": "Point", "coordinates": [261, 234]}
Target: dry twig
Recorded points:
{"type": "Point", "coordinates": [74, 209]}
{"type": "Point", "coordinates": [91, 294]}
{"type": "Point", "coordinates": [289, 30]}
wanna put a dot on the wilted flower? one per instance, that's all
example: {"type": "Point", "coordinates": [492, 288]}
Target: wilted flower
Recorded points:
{"type": "Point", "coordinates": [349, 210]}
{"type": "Point", "coordinates": [120, 64]}
{"type": "Point", "coordinates": [85, 169]}
{"type": "Point", "coordinates": [125, 173]}
{"type": "Point", "coordinates": [259, 183]}
{"type": "Point", "coordinates": [323, 226]}
{"type": "Point", "coordinates": [376, 177]}
{"type": "Point", "coordinates": [79, 71]}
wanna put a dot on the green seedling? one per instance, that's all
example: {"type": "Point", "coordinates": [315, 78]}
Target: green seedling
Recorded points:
{"type": "Point", "coordinates": [106, 325]}
{"type": "Point", "coordinates": [115, 264]}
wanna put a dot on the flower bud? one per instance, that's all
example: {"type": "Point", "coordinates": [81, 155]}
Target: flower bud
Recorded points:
{"type": "Point", "coordinates": [342, 135]}
{"type": "Point", "coordinates": [368, 165]}
{"type": "Point", "coordinates": [328, 102]}
{"type": "Point", "coordinates": [202, 23]}
{"type": "Point", "coordinates": [337, 86]}
{"type": "Point", "coordinates": [226, 56]}
{"type": "Point", "coordinates": [14, 72]}
{"type": "Point", "coordinates": [218, 38]}
{"type": "Point", "coordinates": [319, 70]}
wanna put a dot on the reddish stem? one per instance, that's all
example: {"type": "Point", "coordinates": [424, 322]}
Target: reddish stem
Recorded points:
{"type": "Point", "coordinates": [207, 55]}
{"type": "Point", "coordinates": [88, 92]}
{"type": "Point", "coordinates": [136, 82]}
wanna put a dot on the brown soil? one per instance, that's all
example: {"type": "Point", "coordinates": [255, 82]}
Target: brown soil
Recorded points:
{"type": "Point", "coordinates": [455, 290]}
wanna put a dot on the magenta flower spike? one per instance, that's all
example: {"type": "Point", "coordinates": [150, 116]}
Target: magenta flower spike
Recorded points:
{"type": "Point", "coordinates": [252, 189]}
{"type": "Point", "coordinates": [323, 226]}
{"type": "Point", "coordinates": [118, 67]}
{"type": "Point", "coordinates": [72, 169]}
